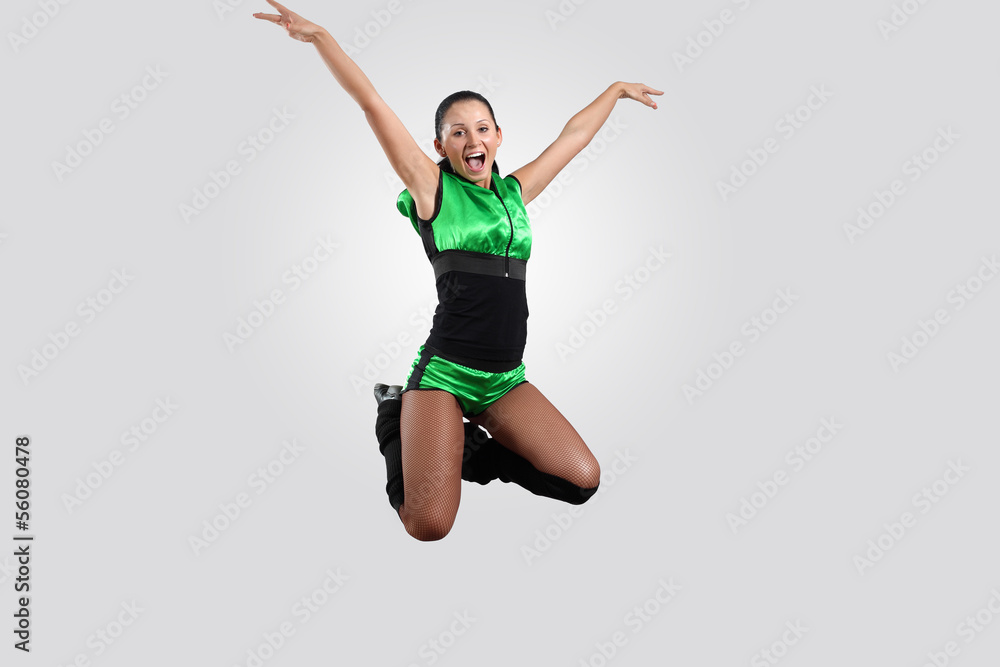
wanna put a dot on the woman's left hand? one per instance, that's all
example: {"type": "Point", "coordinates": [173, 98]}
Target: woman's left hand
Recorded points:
{"type": "Point", "coordinates": [639, 92]}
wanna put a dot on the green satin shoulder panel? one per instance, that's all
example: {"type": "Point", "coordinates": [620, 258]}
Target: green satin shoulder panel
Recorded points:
{"type": "Point", "coordinates": [473, 218]}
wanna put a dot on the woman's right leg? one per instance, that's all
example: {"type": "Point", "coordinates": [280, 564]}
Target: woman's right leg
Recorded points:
{"type": "Point", "coordinates": [433, 437]}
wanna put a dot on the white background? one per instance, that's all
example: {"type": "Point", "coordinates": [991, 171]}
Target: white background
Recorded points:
{"type": "Point", "coordinates": [544, 586]}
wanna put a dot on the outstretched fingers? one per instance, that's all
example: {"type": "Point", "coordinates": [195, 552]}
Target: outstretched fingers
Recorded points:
{"type": "Point", "coordinates": [297, 27]}
{"type": "Point", "coordinates": [640, 92]}
{"type": "Point", "coordinates": [285, 11]}
{"type": "Point", "coordinates": [651, 91]}
{"type": "Point", "coordinates": [282, 19]}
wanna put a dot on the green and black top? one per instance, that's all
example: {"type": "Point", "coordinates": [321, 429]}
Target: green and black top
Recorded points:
{"type": "Point", "coordinates": [478, 241]}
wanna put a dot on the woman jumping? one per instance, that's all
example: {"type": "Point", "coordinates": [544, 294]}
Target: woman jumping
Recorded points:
{"type": "Point", "coordinates": [475, 232]}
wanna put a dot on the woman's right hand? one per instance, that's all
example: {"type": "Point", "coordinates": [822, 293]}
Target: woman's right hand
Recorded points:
{"type": "Point", "coordinates": [297, 27]}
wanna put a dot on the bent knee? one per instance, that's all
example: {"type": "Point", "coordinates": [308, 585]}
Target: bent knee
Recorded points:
{"type": "Point", "coordinates": [427, 528]}
{"type": "Point", "coordinates": [587, 474]}
{"type": "Point", "coordinates": [427, 532]}
{"type": "Point", "coordinates": [589, 481]}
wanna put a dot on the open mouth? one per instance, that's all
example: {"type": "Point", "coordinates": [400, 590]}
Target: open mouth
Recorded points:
{"type": "Point", "coordinates": [476, 161]}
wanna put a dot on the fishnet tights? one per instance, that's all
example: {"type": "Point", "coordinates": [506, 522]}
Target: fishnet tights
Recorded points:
{"type": "Point", "coordinates": [541, 451]}
{"type": "Point", "coordinates": [432, 440]}
{"type": "Point", "coordinates": [530, 426]}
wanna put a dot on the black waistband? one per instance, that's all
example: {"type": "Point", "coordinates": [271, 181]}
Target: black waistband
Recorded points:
{"type": "Point", "coordinates": [478, 262]}
{"type": "Point", "coordinates": [478, 364]}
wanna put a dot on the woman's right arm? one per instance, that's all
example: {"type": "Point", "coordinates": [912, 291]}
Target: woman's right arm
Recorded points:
{"type": "Point", "coordinates": [417, 171]}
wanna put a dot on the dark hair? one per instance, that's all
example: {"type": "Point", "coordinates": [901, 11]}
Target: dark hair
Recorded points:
{"type": "Point", "coordinates": [442, 109]}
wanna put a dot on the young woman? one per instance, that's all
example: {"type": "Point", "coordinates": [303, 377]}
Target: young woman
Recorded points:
{"type": "Point", "coordinates": [475, 232]}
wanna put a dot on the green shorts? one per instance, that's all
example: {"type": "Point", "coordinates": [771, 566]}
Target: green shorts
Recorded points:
{"type": "Point", "coordinates": [474, 389]}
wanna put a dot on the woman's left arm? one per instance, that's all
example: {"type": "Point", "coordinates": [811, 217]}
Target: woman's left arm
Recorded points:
{"type": "Point", "coordinates": [578, 132]}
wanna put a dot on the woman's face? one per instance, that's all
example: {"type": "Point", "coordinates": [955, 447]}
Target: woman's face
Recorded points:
{"type": "Point", "coordinates": [467, 130]}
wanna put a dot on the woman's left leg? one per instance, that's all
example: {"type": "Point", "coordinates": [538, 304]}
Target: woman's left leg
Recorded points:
{"type": "Point", "coordinates": [540, 449]}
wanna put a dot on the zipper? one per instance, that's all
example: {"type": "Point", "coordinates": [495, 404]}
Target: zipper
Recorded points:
{"type": "Point", "coordinates": [506, 259]}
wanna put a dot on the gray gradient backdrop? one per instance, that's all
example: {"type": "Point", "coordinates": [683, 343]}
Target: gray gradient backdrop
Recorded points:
{"type": "Point", "coordinates": [826, 496]}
